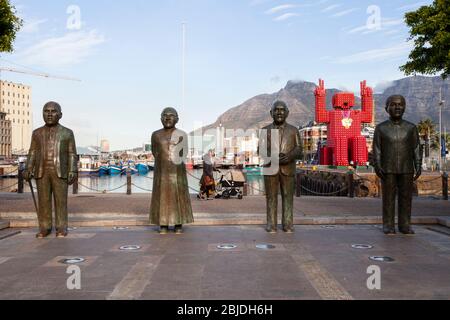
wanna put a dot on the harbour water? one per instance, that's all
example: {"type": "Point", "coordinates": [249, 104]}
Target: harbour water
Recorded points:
{"type": "Point", "coordinates": [140, 184]}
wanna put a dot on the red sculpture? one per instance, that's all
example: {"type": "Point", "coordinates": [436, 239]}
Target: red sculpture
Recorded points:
{"type": "Point", "coordinates": [345, 142]}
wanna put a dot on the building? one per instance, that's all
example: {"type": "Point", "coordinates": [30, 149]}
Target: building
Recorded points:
{"type": "Point", "coordinates": [104, 146]}
{"type": "Point", "coordinates": [16, 103]}
{"type": "Point", "coordinates": [5, 136]}
{"type": "Point", "coordinates": [311, 134]}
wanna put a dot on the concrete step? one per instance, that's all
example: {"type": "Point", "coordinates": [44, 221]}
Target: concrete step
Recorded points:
{"type": "Point", "coordinates": [4, 224]}
{"type": "Point", "coordinates": [27, 220]}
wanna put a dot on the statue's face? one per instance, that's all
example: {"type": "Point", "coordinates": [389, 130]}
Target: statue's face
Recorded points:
{"type": "Point", "coordinates": [396, 108]}
{"type": "Point", "coordinates": [279, 114]}
{"type": "Point", "coordinates": [169, 119]}
{"type": "Point", "coordinates": [51, 115]}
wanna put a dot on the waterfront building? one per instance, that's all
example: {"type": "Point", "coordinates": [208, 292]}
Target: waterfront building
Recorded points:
{"type": "Point", "coordinates": [15, 101]}
{"type": "Point", "coordinates": [5, 136]}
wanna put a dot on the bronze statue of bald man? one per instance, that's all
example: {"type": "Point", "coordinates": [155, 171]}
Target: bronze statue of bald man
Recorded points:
{"type": "Point", "coordinates": [171, 202]}
{"type": "Point", "coordinates": [52, 161]}
{"type": "Point", "coordinates": [397, 162]}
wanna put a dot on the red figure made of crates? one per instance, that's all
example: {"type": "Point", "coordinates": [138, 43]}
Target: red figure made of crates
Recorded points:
{"type": "Point", "coordinates": [345, 144]}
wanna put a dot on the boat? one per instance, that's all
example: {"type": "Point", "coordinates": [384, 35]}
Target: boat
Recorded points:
{"type": "Point", "coordinates": [103, 171]}
{"type": "Point", "coordinates": [88, 166]}
{"type": "Point", "coordinates": [115, 170]}
{"type": "Point", "coordinates": [142, 168]}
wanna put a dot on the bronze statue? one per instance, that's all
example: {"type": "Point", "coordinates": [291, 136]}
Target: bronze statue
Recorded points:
{"type": "Point", "coordinates": [397, 162]}
{"type": "Point", "coordinates": [52, 161]}
{"type": "Point", "coordinates": [171, 202]}
{"type": "Point", "coordinates": [283, 145]}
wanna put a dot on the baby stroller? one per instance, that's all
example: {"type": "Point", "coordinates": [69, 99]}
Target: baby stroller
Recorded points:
{"type": "Point", "coordinates": [230, 185]}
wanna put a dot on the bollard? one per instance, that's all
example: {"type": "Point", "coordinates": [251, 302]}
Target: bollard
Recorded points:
{"type": "Point", "coordinates": [445, 185]}
{"type": "Point", "coordinates": [20, 177]}
{"type": "Point", "coordinates": [75, 187]}
{"type": "Point", "coordinates": [128, 181]}
{"type": "Point", "coordinates": [351, 189]}
{"type": "Point", "coordinates": [298, 185]}
{"type": "Point", "coordinates": [245, 189]}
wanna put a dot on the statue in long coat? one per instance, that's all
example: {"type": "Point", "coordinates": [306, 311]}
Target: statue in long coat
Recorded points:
{"type": "Point", "coordinates": [171, 202]}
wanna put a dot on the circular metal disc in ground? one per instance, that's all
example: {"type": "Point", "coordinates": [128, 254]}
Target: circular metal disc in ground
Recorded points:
{"type": "Point", "coordinates": [382, 259]}
{"type": "Point", "coordinates": [120, 228]}
{"type": "Point", "coordinates": [227, 246]}
{"type": "Point", "coordinates": [265, 246]}
{"type": "Point", "coordinates": [328, 227]}
{"type": "Point", "coordinates": [362, 246]}
{"type": "Point", "coordinates": [72, 260]}
{"type": "Point", "coordinates": [72, 228]}
{"type": "Point", "coordinates": [130, 248]}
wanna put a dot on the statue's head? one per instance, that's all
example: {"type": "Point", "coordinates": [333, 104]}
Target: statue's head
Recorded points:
{"type": "Point", "coordinates": [395, 106]}
{"type": "Point", "coordinates": [52, 113]}
{"type": "Point", "coordinates": [344, 100]}
{"type": "Point", "coordinates": [169, 118]}
{"type": "Point", "coordinates": [279, 112]}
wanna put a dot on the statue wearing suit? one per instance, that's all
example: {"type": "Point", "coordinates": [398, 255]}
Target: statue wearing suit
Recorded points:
{"type": "Point", "coordinates": [52, 161]}
{"type": "Point", "coordinates": [283, 145]}
{"type": "Point", "coordinates": [397, 162]}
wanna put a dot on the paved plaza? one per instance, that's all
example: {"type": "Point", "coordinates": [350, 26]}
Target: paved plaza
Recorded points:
{"type": "Point", "coordinates": [316, 262]}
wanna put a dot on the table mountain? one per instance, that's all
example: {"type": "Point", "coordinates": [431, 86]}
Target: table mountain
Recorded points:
{"type": "Point", "coordinates": [421, 93]}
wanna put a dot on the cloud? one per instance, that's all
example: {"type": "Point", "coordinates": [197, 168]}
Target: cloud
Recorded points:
{"type": "Point", "coordinates": [286, 16]}
{"type": "Point", "coordinates": [413, 5]}
{"type": "Point", "coordinates": [396, 51]}
{"type": "Point", "coordinates": [280, 8]}
{"type": "Point", "coordinates": [329, 8]}
{"type": "Point", "coordinates": [384, 25]}
{"type": "Point", "coordinates": [70, 49]}
{"type": "Point", "coordinates": [383, 85]}
{"type": "Point", "coordinates": [344, 12]}
{"type": "Point", "coordinates": [32, 26]}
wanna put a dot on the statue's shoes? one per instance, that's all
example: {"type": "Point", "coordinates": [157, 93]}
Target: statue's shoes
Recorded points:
{"type": "Point", "coordinates": [163, 230]}
{"type": "Point", "coordinates": [61, 234]}
{"type": "Point", "coordinates": [389, 231]}
{"type": "Point", "coordinates": [271, 230]}
{"type": "Point", "coordinates": [179, 231]}
{"type": "Point", "coordinates": [409, 231]}
{"type": "Point", "coordinates": [288, 230]}
{"type": "Point", "coordinates": [43, 234]}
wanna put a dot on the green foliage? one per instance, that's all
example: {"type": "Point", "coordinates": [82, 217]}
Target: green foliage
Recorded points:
{"type": "Point", "coordinates": [9, 25]}
{"type": "Point", "coordinates": [430, 30]}
{"type": "Point", "coordinates": [427, 128]}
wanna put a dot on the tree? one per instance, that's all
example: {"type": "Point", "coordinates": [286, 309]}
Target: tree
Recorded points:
{"type": "Point", "coordinates": [430, 30]}
{"type": "Point", "coordinates": [10, 24]}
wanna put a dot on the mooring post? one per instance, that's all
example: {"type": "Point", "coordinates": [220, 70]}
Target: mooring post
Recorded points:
{"type": "Point", "coordinates": [350, 185]}
{"type": "Point", "coordinates": [445, 185]}
{"type": "Point", "coordinates": [21, 169]}
{"type": "Point", "coordinates": [128, 181]}
{"type": "Point", "coordinates": [75, 186]}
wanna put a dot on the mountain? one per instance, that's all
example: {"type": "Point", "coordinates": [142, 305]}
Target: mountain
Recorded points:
{"type": "Point", "coordinates": [421, 93]}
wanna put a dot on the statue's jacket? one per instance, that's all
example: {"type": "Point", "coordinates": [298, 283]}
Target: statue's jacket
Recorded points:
{"type": "Point", "coordinates": [396, 147]}
{"type": "Point", "coordinates": [290, 144]}
{"type": "Point", "coordinates": [65, 158]}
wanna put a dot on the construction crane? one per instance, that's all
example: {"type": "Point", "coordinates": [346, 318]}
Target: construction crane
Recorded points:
{"type": "Point", "coordinates": [45, 75]}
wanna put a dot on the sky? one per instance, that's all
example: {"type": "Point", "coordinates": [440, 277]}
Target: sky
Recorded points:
{"type": "Point", "coordinates": [128, 56]}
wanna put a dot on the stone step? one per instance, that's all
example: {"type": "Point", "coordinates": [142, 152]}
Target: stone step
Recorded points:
{"type": "Point", "coordinates": [4, 224]}
{"type": "Point", "coordinates": [18, 220]}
